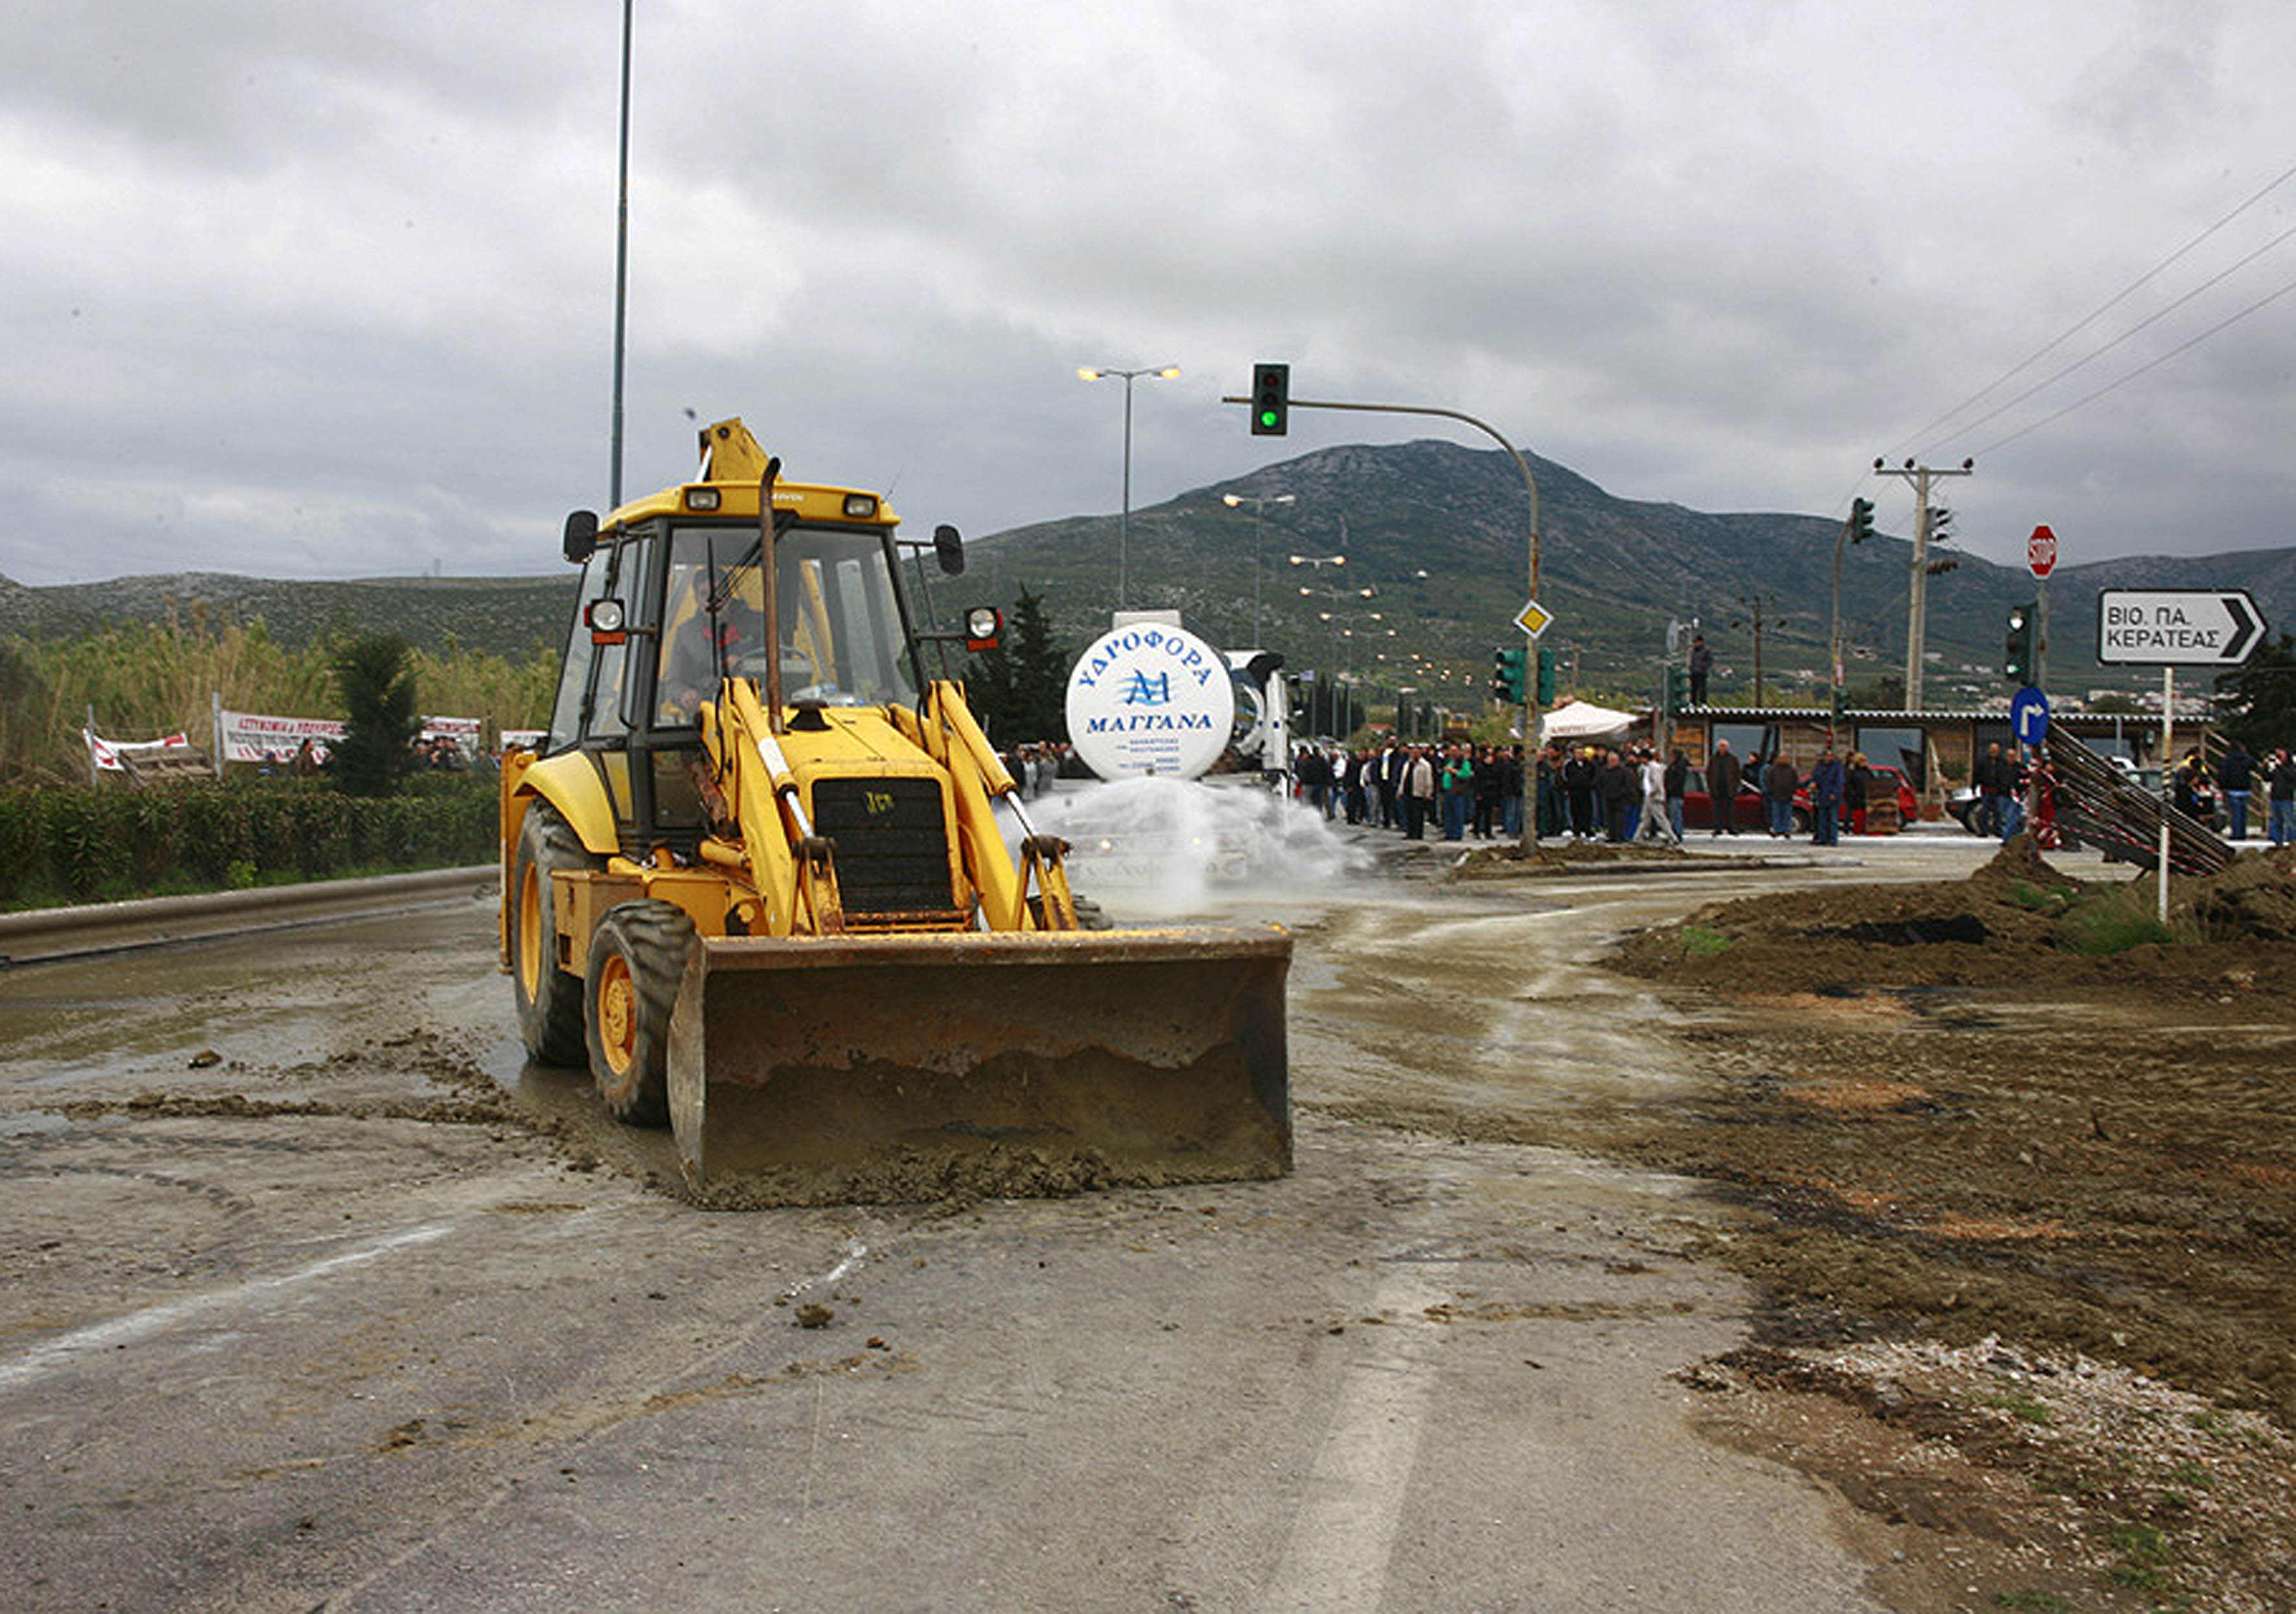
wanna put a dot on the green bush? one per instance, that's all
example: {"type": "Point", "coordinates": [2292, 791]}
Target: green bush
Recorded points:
{"type": "Point", "coordinates": [80, 843]}
{"type": "Point", "coordinates": [2114, 923]}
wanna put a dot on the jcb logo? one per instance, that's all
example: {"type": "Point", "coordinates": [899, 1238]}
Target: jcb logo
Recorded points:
{"type": "Point", "coordinates": [876, 804]}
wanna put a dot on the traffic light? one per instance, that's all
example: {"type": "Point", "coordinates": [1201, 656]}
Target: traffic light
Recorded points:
{"type": "Point", "coordinates": [1507, 675]}
{"type": "Point", "coordinates": [1546, 678]}
{"type": "Point", "coordinates": [1861, 520]}
{"type": "Point", "coordinates": [1677, 688]}
{"type": "Point", "coordinates": [1271, 399]}
{"type": "Point", "coordinates": [2017, 659]}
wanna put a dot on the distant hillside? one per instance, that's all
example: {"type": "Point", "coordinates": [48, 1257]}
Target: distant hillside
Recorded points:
{"type": "Point", "coordinates": [1438, 532]}
{"type": "Point", "coordinates": [507, 616]}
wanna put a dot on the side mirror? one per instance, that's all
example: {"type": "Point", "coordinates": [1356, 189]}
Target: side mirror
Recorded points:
{"type": "Point", "coordinates": [949, 548]}
{"type": "Point", "coordinates": [581, 535]}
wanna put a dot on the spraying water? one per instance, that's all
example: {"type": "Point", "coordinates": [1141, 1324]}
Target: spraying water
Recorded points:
{"type": "Point", "coordinates": [1161, 848]}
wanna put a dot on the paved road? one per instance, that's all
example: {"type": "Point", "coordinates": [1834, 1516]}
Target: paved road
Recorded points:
{"type": "Point", "coordinates": [291, 1323]}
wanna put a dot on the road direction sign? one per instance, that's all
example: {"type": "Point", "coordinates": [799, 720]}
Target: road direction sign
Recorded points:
{"type": "Point", "coordinates": [2041, 551]}
{"type": "Point", "coordinates": [2177, 627]}
{"type": "Point", "coordinates": [1533, 618]}
{"type": "Point", "coordinates": [2029, 715]}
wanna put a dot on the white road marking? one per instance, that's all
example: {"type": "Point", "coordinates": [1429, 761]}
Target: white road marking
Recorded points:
{"type": "Point", "coordinates": [63, 1351]}
{"type": "Point", "coordinates": [1344, 1532]}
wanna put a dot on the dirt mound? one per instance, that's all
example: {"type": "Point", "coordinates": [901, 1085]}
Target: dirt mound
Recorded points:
{"type": "Point", "coordinates": [2253, 899]}
{"type": "Point", "coordinates": [2009, 1104]}
{"type": "Point", "coordinates": [2019, 919]}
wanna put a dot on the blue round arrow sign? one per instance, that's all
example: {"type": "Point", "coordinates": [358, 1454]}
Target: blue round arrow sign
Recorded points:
{"type": "Point", "coordinates": [2029, 715]}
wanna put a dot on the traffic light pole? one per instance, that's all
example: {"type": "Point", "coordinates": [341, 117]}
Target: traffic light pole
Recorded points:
{"type": "Point", "coordinates": [1917, 594]}
{"type": "Point", "coordinates": [1857, 527]}
{"type": "Point", "coordinates": [1531, 680]}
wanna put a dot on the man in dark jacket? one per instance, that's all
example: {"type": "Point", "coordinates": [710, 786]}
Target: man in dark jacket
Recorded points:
{"type": "Point", "coordinates": [1722, 781]}
{"type": "Point", "coordinates": [2236, 777]}
{"type": "Point", "coordinates": [1827, 782]}
{"type": "Point", "coordinates": [1580, 773]}
{"type": "Point", "coordinates": [1778, 782]}
{"type": "Point", "coordinates": [1995, 775]}
{"type": "Point", "coordinates": [1677, 786]}
{"type": "Point", "coordinates": [2280, 787]}
{"type": "Point", "coordinates": [1620, 790]}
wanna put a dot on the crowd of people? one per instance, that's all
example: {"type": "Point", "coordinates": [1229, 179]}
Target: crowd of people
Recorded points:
{"type": "Point", "coordinates": [1035, 764]}
{"type": "Point", "coordinates": [2239, 776]}
{"type": "Point", "coordinates": [1584, 791]}
{"type": "Point", "coordinates": [1460, 790]}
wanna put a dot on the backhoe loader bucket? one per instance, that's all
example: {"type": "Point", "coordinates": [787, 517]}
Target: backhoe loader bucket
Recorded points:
{"type": "Point", "coordinates": [822, 1070]}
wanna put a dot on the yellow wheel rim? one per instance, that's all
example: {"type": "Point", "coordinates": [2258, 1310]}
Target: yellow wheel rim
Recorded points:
{"type": "Point", "coordinates": [529, 931]}
{"type": "Point", "coordinates": [617, 1014]}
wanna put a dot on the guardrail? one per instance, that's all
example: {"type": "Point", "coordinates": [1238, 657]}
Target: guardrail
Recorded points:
{"type": "Point", "coordinates": [48, 934]}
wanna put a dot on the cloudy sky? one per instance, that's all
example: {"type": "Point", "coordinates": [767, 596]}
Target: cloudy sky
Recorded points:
{"type": "Point", "coordinates": [326, 290]}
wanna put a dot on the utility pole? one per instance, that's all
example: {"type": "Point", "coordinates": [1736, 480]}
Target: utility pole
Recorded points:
{"type": "Point", "coordinates": [1917, 594]}
{"type": "Point", "coordinates": [1754, 611]}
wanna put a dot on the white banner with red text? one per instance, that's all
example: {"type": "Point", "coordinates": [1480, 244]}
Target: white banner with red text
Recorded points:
{"type": "Point", "coordinates": [106, 754]}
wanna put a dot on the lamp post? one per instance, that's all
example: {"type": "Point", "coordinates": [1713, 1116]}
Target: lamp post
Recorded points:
{"type": "Point", "coordinates": [1259, 503]}
{"type": "Point", "coordinates": [621, 271]}
{"type": "Point", "coordinates": [1124, 520]}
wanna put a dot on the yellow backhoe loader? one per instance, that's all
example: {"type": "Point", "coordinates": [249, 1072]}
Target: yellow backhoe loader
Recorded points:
{"type": "Point", "coordinates": [757, 879]}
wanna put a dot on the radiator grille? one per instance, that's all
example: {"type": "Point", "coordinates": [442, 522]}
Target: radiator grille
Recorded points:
{"type": "Point", "coordinates": [892, 843]}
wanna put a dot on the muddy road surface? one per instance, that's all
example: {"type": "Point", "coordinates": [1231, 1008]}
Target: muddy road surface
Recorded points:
{"type": "Point", "coordinates": [318, 1297]}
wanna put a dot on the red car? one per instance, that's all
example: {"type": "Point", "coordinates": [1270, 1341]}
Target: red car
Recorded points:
{"type": "Point", "coordinates": [1698, 805]}
{"type": "Point", "coordinates": [1751, 813]}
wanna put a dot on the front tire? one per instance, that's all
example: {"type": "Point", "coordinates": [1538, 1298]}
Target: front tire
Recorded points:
{"type": "Point", "coordinates": [638, 955]}
{"type": "Point", "coordinates": [549, 999]}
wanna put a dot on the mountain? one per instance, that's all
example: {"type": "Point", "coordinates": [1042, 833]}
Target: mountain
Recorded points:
{"type": "Point", "coordinates": [1438, 532]}
{"type": "Point", "coordinates": [508, 616]}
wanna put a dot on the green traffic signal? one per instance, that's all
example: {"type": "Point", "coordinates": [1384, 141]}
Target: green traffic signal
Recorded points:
{"type": "Point", "coordinates": [1861, 520]}
{"type": "Point", "coordinates": [1507, 675]}
{"type": "Point", "coordinates": [2017, 656]}
{"type": "Point", "coordinates": [1546, 678]}
{"type": "Point", "coordinates": [1271, 399]}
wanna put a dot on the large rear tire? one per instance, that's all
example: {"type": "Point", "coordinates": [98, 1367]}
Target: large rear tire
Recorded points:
{"type": "Point", "coordinates": [638, 955]}
{"type": "Point", "coordinates": [549, 999]}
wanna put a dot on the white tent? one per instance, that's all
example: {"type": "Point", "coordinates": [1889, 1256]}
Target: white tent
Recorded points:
{"type": "Point", "coordinates": [1582, 720]}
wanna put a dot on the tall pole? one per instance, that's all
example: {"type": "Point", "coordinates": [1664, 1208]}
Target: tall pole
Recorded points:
{"type": "Point", "coordinates": [1833, 711]}
{"type": "Point", "coordinates": [1917, 596]}
{"type": "Point", "coordinates": [621, 265]}
{"type": "Point", "coordinates": [1259, 503]}
{"type": "Point", "coordinates": [1124, 518]}
{"type": "Point", "coordinates": [1124, 515]}
{"type": "Point", "coordinates": [1754, 610]}
{"type": "Point", "coordinates": [1917, 589]}
{"type": "Point", "coordinates": [2167, 776]}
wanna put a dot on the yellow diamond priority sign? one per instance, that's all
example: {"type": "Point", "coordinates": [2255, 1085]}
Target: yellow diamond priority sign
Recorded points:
{"type": "Point", "coordinates": [1533, 618]}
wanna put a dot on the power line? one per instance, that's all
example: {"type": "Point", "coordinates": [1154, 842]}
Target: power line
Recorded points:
{"type": "Point", "coordinates": [2103, 308]}
{"type": "Point", "coordinates": [2149, 320]}
{"type": "Point", "coordinates": [2152, 364]}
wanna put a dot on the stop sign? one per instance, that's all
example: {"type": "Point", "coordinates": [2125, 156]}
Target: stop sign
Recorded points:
{"type": "Point", "coordinates": [2041, 552]}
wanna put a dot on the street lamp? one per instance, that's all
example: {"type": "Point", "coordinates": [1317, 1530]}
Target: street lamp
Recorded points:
{"type": "Point", "coordinates": [1124, 520]}
{"type": "Point", "coordinates": [1259, 503]}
